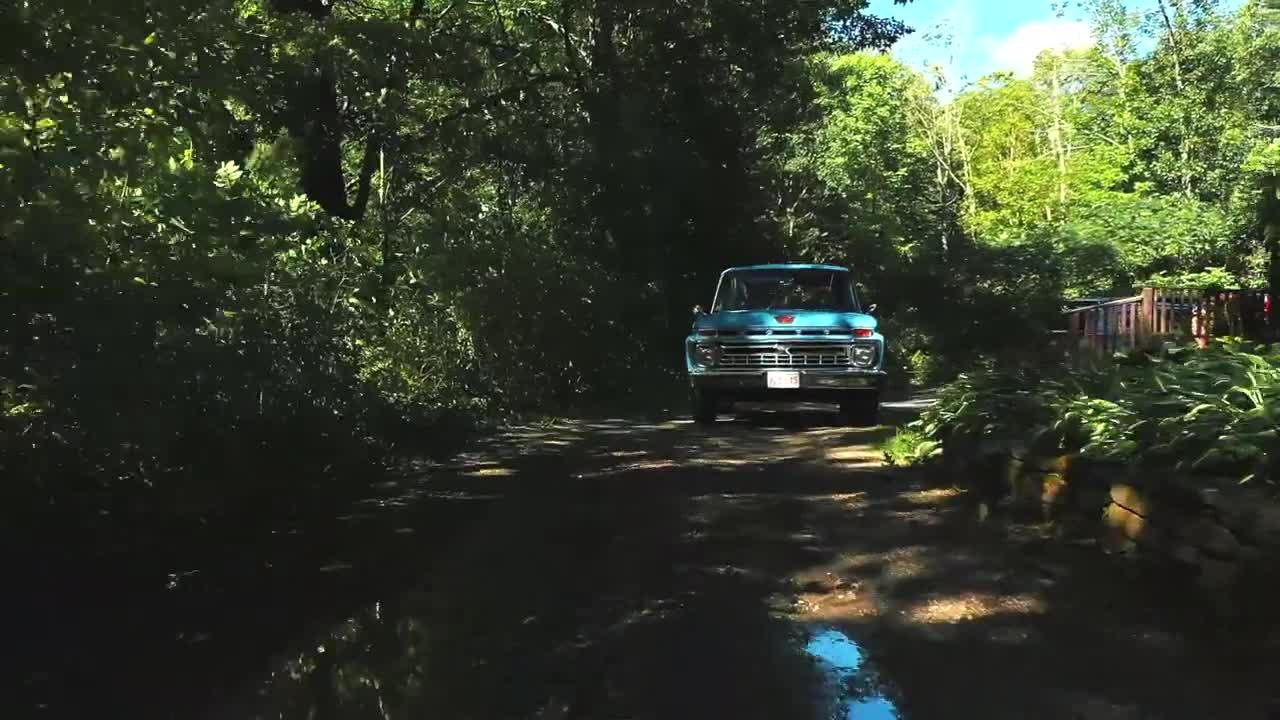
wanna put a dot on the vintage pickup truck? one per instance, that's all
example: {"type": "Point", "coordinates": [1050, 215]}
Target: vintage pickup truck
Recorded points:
{"type": "Point", "coordinates": [788, 333]}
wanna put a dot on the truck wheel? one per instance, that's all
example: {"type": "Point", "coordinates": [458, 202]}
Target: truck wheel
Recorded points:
{"type": "Point", "coordinates": [705, 405]}
{"type": "Point", "coordinates": [861, 409]}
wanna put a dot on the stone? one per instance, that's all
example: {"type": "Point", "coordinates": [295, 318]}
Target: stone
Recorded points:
{"type": "Point", "coordinates": [1238, 505]}
{"type": "Point", "coordinates": [1251, 555]}
{"type": "Point", "coordinates": [1089, 500]}
{"type": "Point", "coordinates": [991, 445]}
{"type": "Point", "coordinates": [1271, 639]}
{"type": "Point", "coordinates": [1123, 522]}
{"type": "Point", "coordinates": [1113, 542]}
{"type": "Point", "coordinates": [1154, 540]}
{"type": "Point", "coordinates": [1093, 472]}
{"type": "Point", "coordinates": [1125, 519]}
{"type": "Point", "coordinates": [1012, 471]}
{"type": "Point", "coordinates": [1055, 464]}
{"type": "Point", "coordinates": [1213, 539]}
{"type": "Point", "coordinates": [1216, 574]}
{"type": "Point", "coordinates": [1027, 490]}
{"type": "Point", "coordinates": [1129, 497]}
{"type": "Point", "coordinates": [1266, 525]}
{"type": "Point", "coordinates": [1186, 554]}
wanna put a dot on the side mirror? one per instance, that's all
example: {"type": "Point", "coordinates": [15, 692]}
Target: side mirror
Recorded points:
{"type": "Point", "coordinates": [871, 309]}
{"type": "Point", "coordinates": [697, 310]}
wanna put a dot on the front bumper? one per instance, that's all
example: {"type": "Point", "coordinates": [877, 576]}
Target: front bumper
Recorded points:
{"type": "Point", "coordinates": [813, 379]}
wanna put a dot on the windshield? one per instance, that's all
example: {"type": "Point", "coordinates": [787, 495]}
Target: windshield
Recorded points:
{"type": "Point", "coordinates": [786, 290]}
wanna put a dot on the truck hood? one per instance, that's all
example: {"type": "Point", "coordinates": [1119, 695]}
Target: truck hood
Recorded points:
{"type": "Point", "coordinates": [801, 319]}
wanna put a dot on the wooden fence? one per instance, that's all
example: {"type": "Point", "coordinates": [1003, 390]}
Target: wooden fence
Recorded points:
{"type": "Point", "coordinates": [1179, 315]}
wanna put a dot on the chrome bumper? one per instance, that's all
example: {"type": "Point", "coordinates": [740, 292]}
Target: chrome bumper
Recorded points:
{"type": "Point", "coordinates": [810, 379]}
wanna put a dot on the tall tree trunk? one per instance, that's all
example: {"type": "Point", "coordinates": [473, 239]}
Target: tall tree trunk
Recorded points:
{"type": "Point", "coordinates": [1184, 144]}
{"type": "Point", "coordinates": [603, 104]}
{"type": "Point", "coordinates": [312, 115]}
{"type": "Point", "coordinates": [1057, 134]}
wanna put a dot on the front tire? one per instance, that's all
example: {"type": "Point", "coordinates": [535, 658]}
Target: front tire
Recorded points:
{"type": "Point", "coordinates": [861, 409]}
{"type": "Point", "coordinates": [705, 405]}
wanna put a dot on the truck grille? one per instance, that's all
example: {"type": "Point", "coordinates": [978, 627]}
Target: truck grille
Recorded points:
{"type": "Point", "coordinates": [791, 355]}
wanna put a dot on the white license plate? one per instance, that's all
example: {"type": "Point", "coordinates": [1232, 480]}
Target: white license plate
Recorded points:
{"type": "Point", "coordinates": [778, 380]}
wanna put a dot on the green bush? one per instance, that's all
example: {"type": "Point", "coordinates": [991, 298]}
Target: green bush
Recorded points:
{"type": "Point", "coordinates": [1212, 411]}
{"type": "Point", "coordinates": [907, 446]}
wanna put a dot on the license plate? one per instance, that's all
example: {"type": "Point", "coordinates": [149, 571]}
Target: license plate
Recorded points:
{"type": "Point", "coordinates": [782, 380]}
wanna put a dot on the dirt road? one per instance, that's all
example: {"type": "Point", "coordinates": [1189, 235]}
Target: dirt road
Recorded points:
{"type": "Point", "coordinates": [767, 567]}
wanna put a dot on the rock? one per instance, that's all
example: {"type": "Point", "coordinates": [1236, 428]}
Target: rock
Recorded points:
{"type": "Point", "coordinates": [1211, 538]}
{"type": "Point", "coordinates": [1090, 500]}
{"type": "Point", "coordinates": [1186, 554]}
{"type": "Point", "coordinates": [1265, 528]}
{"type": "Point", "coordinates": [1124, 520]}
{"type": "Point", "coordinates": [1250, 555]}
{"type": "Point", "coordinates": [1012, 471]}
{"type": "Point", "coordinates": [1216, 574]}
{"type": "Point", "coordinates": [1113, 542]}
{"type": "Point", "coordinates": [1055, 464]}
{"type": "Point", "coordinates": [1027, 490]}
{"type": "Point", "coordinates": [1234, 507]}
{"type": "Point", "coordinates": [991, 445]}
{"type": "Point", "coordinates": [1154, 540]}
{"type": "Point", "coordinates": [1271, 639]}
{"type": "Point", "coordinates": [1129, 497]}
{"type": "Point", "coordinates": [1093, 472]}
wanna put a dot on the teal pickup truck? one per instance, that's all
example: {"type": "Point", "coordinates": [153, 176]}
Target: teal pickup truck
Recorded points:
{"type": "Point", "coordinates": [787, 333]}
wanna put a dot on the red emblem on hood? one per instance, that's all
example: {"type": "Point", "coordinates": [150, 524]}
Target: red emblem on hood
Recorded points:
{"type": "Point", "coordinates": [785, 319]}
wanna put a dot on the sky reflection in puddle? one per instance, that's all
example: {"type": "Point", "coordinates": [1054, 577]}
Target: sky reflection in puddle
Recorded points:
{"type": "Point", "coordinates": [841, 659]}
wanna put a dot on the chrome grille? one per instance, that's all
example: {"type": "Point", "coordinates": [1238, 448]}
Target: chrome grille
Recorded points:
{"type": "Point", "coordinates": [790, 355]}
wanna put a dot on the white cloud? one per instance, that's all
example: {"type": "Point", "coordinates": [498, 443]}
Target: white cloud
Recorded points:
{"type": "Point", "coordinates": [1018, 51]}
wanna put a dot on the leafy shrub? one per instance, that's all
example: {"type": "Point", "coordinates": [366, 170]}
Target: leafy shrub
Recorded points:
{"type": "Point", "coordinates": [907, 446]}
{"type": "Point", "coordinates": [1213, 411]}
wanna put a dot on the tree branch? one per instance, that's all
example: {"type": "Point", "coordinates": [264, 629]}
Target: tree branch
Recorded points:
{"type": "Point", "coordinates": [495, 99]}
{"type": "Point", "coordinates": [373, 146]}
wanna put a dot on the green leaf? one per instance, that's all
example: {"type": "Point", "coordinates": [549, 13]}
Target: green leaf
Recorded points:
{"type": "Point", "coordinates": [228, 174]}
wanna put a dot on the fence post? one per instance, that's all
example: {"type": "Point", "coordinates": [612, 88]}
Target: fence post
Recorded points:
{"type": "Point", "coordinates": [1203, 318]}
{"type": "Point", "coordinates": [1147, 319]}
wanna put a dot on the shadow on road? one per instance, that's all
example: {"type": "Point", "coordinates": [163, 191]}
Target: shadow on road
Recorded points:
{"type": "Point", "coordinates": [664, 570]}
{"type": "Point", "coordinates": [607, 568]}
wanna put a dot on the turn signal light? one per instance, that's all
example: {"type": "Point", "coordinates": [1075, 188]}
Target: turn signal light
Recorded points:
{"type": "Point", "coordinates": [861, 332]}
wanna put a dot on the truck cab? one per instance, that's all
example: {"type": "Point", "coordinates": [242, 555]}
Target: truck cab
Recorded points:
{"type": "Point", "coordinates": [788, 332]}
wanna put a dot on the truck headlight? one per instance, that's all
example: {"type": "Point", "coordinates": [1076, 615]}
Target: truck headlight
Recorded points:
{"type": "Point", "coordinates": [863, 356]}
{"type": "Point", "coordinates": [705, 355]}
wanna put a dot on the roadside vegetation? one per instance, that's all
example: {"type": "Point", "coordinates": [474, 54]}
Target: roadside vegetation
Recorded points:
{"type": "Point", "coordinates": [1184, 411]}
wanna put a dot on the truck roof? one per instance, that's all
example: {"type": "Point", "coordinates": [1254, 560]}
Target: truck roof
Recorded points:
{"type": "Point", "coordinates": [789, 266]}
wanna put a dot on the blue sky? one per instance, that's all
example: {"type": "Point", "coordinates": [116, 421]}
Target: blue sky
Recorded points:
{"type": "Point", "coordinates": [974, 37]}
{"type": "Point", "coordinates": [985, 35]}
{"type": "Point", "coordinates": [988, 35]}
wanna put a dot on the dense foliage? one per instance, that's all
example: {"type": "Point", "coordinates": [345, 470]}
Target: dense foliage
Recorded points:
{"type": "Point", "coordinates": [253, 244]}
{"type": "Point", "coordinates": [1148, 155]}
{"type": "Point", "coordinates": [1213, 411]}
